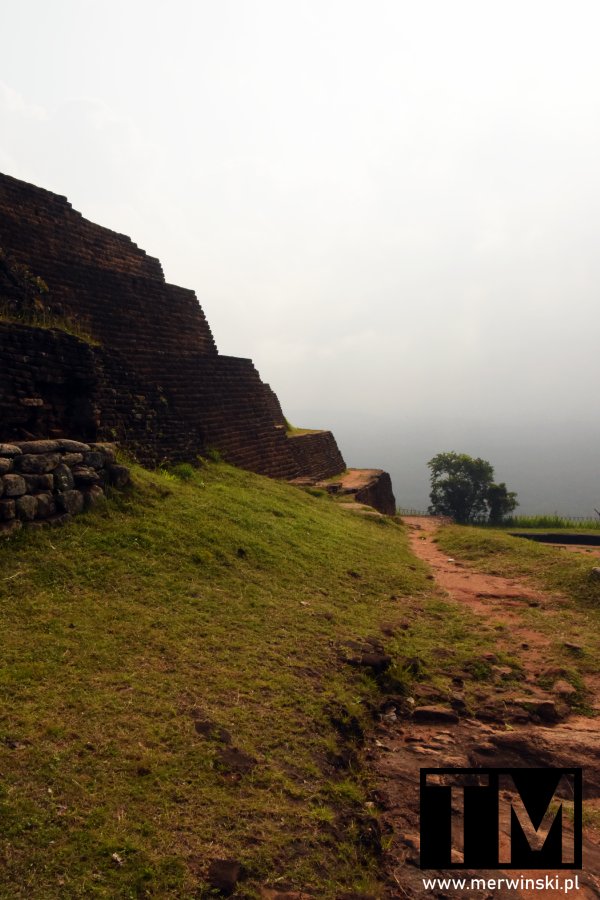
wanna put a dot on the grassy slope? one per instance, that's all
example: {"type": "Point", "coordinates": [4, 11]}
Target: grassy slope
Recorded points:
{"type": "Point", "coordinates": [575, 615]}
{"type": "Point", "coordinates": [223, 598]}
{"type": "Point", "coordinates": [554, 523]}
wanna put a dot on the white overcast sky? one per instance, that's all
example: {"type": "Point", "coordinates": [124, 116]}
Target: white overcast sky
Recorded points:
{"type": "Point", "coordinates": [391, 206]}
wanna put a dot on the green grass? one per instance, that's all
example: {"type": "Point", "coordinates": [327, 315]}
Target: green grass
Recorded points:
{"type": "Point", "coordinates": [572, 614]}
{"type": "Point", "coordinates": [205, 602]}
{"type": "Point", "coordinates": [553, 522]}
{"type": "Point", "coordinates": [46, 320]}
{"type": "Point", "coordinates": [204, 596]}
{"type": "Point", "coordinates": [501, 554]}
{"type": "Point", "coordinates": [292, 431]}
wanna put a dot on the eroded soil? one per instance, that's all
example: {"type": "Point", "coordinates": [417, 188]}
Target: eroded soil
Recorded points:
{"type": "Point", "coordinates": [515, 725]}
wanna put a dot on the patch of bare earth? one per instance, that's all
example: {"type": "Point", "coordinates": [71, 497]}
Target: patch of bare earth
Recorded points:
{"type": "Point", "coordinates": [522, 726]}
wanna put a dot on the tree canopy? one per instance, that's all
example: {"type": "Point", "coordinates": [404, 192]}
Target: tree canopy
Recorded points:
{"type": "Point", "coordinates": [464, 488]}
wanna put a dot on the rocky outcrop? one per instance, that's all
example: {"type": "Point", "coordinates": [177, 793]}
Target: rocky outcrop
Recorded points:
{"type": "Point", "coordinates": [378, 492]}
{"type": "Point", "coordinates": [372, 487]}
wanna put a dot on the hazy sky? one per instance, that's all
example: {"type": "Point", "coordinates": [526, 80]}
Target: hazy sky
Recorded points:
{"type": "Point", "coordinates": [392, 207]}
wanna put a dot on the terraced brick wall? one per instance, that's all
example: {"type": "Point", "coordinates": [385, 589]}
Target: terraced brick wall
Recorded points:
{"type": "Point", "coordinates": [102, 279]}
{"type": "Point", "coordinates": [317, 455]}
{"type": "Point", "coordinates": [155, 382]}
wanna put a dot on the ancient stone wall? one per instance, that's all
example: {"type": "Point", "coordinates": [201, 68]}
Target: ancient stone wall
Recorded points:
{"type": "Point", "coordinates": [155, 381]}
{"type": "Point", "coordinates": [317, 455]}
{"type": "Point", "coordinates": [54, 384]}
{"type": "Point", "coordinates": [47, 482]}
{"type": "Point", "coordinates": [277, 415]}
{"type": "Point", "coordinates": [102, 279]}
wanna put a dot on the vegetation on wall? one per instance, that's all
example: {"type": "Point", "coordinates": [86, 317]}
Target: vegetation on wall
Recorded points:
{"type": "Point", "coordinates": [24, 300]}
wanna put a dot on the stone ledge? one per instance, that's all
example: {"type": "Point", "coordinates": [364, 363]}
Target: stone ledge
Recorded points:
{"type": "Point", "coordinates": [373, 487]}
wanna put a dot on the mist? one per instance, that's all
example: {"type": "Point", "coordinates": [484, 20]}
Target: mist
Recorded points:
{"type": "Point", "coordinates": [549, 472]}
{"type": "Point", "coordinates": [391, 207]}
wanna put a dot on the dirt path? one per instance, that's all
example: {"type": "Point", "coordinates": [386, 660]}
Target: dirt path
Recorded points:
{"type": "Point", "coordinates": [527, 726]}
{"type": "Point", "coordinates": [579, 548]}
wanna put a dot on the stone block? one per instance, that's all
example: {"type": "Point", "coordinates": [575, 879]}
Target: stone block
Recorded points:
{"type": "Point", "coordinates": [8, 528]}
{"type": "Point", "coordinates": [9, 450]}
{"type": "Point", "coordinates": [37, 483]}
{"type": "Point", "coordinates": [70, 502]}
{"type": "Point", "coordinates": [5, 465]}
{"type": "Point", "coordinates": [93, 495]}
{"type": "Point", "coordinates": [14, 485]}
{"type": "Point", "coordinates": [72, 459]}
{"type": "Point", "coordinates": [107, 450]}
{"type": "Point", "coordinates": [35, 447]}
{"type": "Point", "coordinates": [37, 463]}
{"type": "Point", "coordinates": [7, 510]}
{"type": "Point", "coordinates": [73, 446]}
{"type": "Point", "coordinates": [94, 459]}
{"type": "Point", "coordinates": [85, 475]}
{"type": "Point", "coordinates": [63, 478]}
{"type": "Point", "coordinates": [26, 508]}
{"type": "Point", "coordinates": [46, 505]}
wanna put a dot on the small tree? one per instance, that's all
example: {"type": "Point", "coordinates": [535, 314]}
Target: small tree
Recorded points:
{"type": "Point", "coordinates": [463, 487]}
{"type": "Point", "coordinates": [501, 502]}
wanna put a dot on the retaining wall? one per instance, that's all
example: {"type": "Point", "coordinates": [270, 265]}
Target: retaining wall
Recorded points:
{"type": "Point", "coordinates": [47, 482]}
{"type": "Point", "coordinates": [54, 384]}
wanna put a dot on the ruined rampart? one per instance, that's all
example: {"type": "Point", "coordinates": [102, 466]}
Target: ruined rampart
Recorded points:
{"type": "Point", "coordinates": [151, 377]}
{"type": "Point", "coordinates": [316, 454]}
